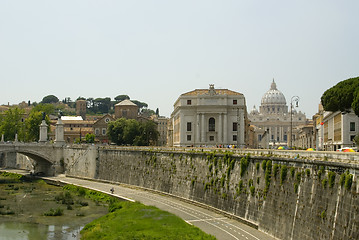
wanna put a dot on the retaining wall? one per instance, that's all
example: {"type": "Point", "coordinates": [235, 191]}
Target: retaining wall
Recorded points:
{"type": "Point", "coordinates": [288, 197]}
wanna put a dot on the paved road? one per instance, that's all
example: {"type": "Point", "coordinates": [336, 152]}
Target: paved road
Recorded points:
{"type": "Point", "coordinates": [221, 227]}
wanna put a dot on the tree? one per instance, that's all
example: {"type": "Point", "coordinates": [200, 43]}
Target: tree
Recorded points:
{"type": "Point", "coordinates": [120, 98]}
{"type": "Point", "coordinates": [12, 124]}
{"type": "Point", "coordinates": [132, 132]}
{"type": "Point", "coordinates": [90, 138]}
{"type": "Point", "coordinates": [50, 99]}
{"type": "Point", "coordinates": [47, 108]}
{"type": "Point", "coordinates": [32, 125]}
{"type": "Point", "coordinates": [140, 104]}
{"type": "Point", "coordinates": [342, 97]}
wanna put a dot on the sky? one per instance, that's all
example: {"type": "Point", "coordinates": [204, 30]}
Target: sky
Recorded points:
{"type": "Point", "coordinates": [155, 50]}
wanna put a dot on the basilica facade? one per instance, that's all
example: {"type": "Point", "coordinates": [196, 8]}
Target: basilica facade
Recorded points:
{"type": "Point", "coordinates": [274, 125]}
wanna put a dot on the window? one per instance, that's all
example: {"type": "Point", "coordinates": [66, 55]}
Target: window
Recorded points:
{"type": "Point", "coordinates": [272, 137]}
{"type": "Point", "coordinates": [211, 138]}
{"type": "Point", "coordinates": [189, 102]}
{"type": "Point", "coordinates": [235, 127]}
{"type": "Point", "coordinates": [189, 126]}
{"type": "Point", "coordinates": [285, 137]}
{"type": "Point", "coordinates": [234, 137]}
{"type": "Point", "coordinates": [97, 132]}
{"type": "Point", "coordinates": [212, 125]}
{"type": "Point", "coordinates": [235, 102]}
{"type": "Point", "coordinates": [352, 138]}
{"type": "Point", "coordinates": [352, 126]}
{"type": "Point", "coordinates": [189, 137]}
{"type": "Point", "coordinates": [103, 131]}
{"type": "Point", "coordinates": [259, 137]}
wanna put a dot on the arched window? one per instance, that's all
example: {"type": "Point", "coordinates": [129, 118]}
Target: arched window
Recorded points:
{"type": "Point", "coordinates": [212, 125]}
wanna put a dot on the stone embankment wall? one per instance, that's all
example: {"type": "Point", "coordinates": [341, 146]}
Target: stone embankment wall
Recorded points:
{"type": "Point", "coordinates": [288, 197]}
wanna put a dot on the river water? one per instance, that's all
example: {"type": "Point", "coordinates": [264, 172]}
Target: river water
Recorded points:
{"type": "Point", "coordinates": [28, 201]}
{"type": "Point", "coordinates": [32, 231]}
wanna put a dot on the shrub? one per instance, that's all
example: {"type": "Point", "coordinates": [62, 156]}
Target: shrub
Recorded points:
{"type": "Point", "coordinates": [250, 182]}
{"type": "Point", "coordinates": [296, 186]}
{"type": "Point", "coordinates": [292, 171]}
{"type": "Point", "coordinates": [342, 179]}
{"type": "Point", "coordinates": [252, 190]}
{"type": "Point", "coordinates": [264, 164]}
{"type": "Point", "coordinates": [323, 214]}
{"type": "Point", "coordinates": [240, 186]}
{"type": "Point", "coordinates": [257, 166]}
{"type": "Point", "coordinates": [331, 179]}
{"type": "Point", "coordinates": [283, 174]}
{"type": "Point", "coordinates": [244, 165]}
{"type": "Point", "coordinates": [54, 212]}
{"type": "Point", "coordinates": [348, 181]}
{"type": "Point", "coordinates": [275, 170]}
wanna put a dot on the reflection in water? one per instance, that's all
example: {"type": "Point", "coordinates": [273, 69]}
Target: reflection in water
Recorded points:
{"type": "Point", "coordinates": [30, 231]}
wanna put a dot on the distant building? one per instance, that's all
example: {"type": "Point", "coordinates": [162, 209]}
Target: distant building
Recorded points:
{"type": "Point", "coordinates": [100, 128]}
{"type": "Point", "coordinates": [126, 109]}
{"type": "Point", "coordinates": [162, 126]}
{"type": "Point", "coordinates": [209, 117]}
{"type": "Point", "coordinates": [74, 128]}
{"type": "Point", "coordinates": [273, 120]}
{"type": "Point", "coordinates": [81, 108]}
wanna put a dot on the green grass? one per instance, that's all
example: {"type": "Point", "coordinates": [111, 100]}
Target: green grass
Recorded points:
{"type": "Point", "coordinates": [137, 221]}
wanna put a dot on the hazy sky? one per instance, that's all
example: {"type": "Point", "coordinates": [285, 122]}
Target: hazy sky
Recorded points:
{"type": "Point", "coordinates": [154, 51]}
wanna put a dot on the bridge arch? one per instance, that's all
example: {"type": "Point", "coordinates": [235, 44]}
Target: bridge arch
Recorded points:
{"type": "Point", "coordinates": [38, 163]}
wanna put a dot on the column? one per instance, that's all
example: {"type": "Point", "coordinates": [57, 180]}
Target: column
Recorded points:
{"type": "Point", "coordinates": [242, 130]}
{"type": "Point", "coordinates": [203, 130]}
{"type": "Point", "coordinates": [225, 129]}
{"type": "Point", "coordinates": [59, 132]}
{"type": "Point", "coordinates": [43, 132]}
{"type": "Point", "coordinates": [220, 129]}
{"type": "Point", "coordinates": [198, 132]}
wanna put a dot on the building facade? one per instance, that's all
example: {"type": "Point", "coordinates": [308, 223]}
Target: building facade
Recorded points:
{"type": "Point", "coordinates": [273, 122]}
{"type": "Point", "coordinates": [100, 128]}
{"type": "Point", "coordinates": [339, 130]}
{"type": "Point", "coordinates": [209, 117]}
{"type": "Point", "coordinates": [126, 109]}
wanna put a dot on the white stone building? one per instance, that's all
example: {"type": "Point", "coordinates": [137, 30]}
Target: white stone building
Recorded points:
{"type": "Point", "coordinates": [338, 130]}
{"type": "Point", "coordinates": [273, 121]}
{"type": "Point", "coordinates": [209, 117]}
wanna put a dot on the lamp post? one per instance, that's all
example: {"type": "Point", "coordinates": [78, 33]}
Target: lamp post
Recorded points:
{"type": "Point", "coordinates": [296, 100]}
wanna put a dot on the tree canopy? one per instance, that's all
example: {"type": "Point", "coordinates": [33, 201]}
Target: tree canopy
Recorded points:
{"type": "Point", "coordinates": [342, 97]}
{"type": "Point", "coordinates": [50, 99]}
{"type": "Point", "coordinates": [121, 97]}
{"type": "Point", "coordinates": [132, 132]}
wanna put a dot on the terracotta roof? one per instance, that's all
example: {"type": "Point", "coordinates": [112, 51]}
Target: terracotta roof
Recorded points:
{"type": "Point", "coordinates": [206, 91]}
{"type": "Point", "coordinates": [126, 102]}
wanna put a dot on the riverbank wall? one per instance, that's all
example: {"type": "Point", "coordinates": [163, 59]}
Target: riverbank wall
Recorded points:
{"type": "Point", "coordinates": [289, 195]}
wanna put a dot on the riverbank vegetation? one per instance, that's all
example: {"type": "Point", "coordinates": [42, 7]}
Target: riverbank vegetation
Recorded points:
{"type": "Point", "coordinates": [48, 204]}
{"type": "Point", "coordinates": [127, 220]}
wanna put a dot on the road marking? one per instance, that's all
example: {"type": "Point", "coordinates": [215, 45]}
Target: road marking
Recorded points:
{"type": "Point", "coordinates": [206, 219]}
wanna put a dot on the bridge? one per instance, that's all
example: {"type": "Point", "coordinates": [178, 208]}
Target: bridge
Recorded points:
{"type": "Point", "coordinates": [44, 158]}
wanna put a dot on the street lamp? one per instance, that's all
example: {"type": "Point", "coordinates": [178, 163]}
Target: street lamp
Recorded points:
{"type": "Point", "coordinates": [296, 100]}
